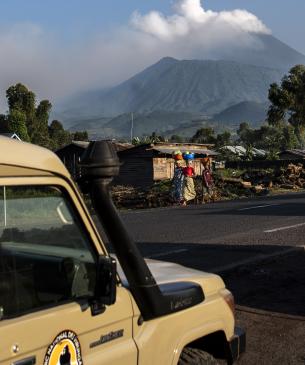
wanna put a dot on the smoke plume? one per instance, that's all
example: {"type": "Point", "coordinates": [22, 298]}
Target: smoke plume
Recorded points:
{"type": "Point", "coordinates": [191, 18]}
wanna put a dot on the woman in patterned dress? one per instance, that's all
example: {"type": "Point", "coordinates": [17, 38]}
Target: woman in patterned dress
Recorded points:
{"type": "Point", "coordinates": [189, 192]}
{"type": "Point", "coordinates": [178, 178]}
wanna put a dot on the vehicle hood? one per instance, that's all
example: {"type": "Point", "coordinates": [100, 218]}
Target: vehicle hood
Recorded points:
{"type": "Point", "coordinates": [167, 272]}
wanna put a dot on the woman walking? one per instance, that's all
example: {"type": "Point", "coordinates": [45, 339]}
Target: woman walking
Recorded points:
{"type": "Point", "coordinates": [177, 182]}
{"type": "Point", "coordinates": [207, 179]}
{"type": "Point", "coordinates": [189, 192]}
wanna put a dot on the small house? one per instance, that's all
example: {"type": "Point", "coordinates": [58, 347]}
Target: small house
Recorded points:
{"type": "Point", "coordinates": [71, 154]}
{"type": "Point", "coordinates": [145, 164]}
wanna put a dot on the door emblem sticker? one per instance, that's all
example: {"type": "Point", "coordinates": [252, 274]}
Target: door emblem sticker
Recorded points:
{"type": "Point", "coordinates": [64, 350]}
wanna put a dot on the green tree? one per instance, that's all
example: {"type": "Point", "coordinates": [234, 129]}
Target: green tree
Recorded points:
{"type": "Point", "coordinates": [59, 137]}
{"type": "Point", "coordinates": [176, 138]}
{"type": "Point", "coordinates": [17, 124]}
{"type": "Point", "coordinates": [31, 122]}
{"type": "Point", "coordinates": [80, 136]}
{"type": "Point", "coordinates": [223, 139]}
{"type": "Point", "coordinates": [287, 101]}
{"type": "Point", "coordinates": [204, 135]}
{"type": "Point", "coordinates": [246, 135]}
{"type": "Point", "coordinates": [40, 134]}
{"type": "Point", "coordinates": [22, 99]}
{"type": "Point", "coordinates": [289, 138]}
{"type": "Point", "coordinates": [269, 138]}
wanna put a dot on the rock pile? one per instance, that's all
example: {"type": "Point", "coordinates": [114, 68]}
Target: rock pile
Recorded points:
{"type": "Point", "coordinates": [292, 177]}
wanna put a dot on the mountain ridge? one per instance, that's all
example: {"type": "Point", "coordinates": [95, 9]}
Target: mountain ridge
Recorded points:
{"type": "Point", "coordinates": [203, 86]}
{"type": "Point", "coordinates": [199, 86]}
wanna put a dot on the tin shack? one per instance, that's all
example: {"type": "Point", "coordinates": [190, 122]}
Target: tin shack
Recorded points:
{"type": "Point", "coordinates": [71, 154]}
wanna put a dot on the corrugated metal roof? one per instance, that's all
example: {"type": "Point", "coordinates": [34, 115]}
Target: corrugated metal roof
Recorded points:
{"type": "Point", "coordinates": [259, 152]}
{"type": "Point", "coordinates": [238, 150]}
{"type": "Point", "coordinates": [241, 151]}
{"type": "Point", "coordinates": [199, 151]}
{"type": "Point", "coordinates": [296, 152]}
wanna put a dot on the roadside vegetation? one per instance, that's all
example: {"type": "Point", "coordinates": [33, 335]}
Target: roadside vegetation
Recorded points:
{"type": "Point", "coordinates": [29, 119]}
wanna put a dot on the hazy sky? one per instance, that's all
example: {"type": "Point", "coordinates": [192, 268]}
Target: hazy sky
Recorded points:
{"type": "Point", "coordinates": [58, 47]}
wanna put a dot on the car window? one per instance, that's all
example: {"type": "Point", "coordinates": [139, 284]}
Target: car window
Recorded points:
{"type": "Point", "coordinates": [45, 254]}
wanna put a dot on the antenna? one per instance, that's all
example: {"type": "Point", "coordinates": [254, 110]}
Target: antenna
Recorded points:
{"type": "Point", "coordinates": [131, 128]}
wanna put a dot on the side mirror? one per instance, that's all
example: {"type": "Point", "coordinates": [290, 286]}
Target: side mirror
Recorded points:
{"type": "Point", "coordinates": [106, 280]}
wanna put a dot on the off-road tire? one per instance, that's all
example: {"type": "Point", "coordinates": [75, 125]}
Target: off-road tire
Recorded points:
{"type": "Point", "coordinates": [190, 356]}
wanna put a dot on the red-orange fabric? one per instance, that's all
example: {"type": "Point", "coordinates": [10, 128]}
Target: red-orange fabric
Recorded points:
{"type": "Point", "coordinates": [189, 171]}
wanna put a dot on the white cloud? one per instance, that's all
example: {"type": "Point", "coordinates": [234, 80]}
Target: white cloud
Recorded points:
{"type": "Point", "coordinates": [191, 17]}
{"type": "Point", "coordinates": [54, 69]}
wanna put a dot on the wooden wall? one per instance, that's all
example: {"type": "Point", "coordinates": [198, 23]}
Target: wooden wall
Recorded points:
{"type": "Point", "coordinates": [163, 168]}
{"type": "Point", "coordinates": [70, 156]}
{"type": "Point", "coordinates": [136, 172]}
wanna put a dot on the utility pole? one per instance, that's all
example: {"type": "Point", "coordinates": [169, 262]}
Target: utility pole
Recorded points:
{"type": "Point", "coordinates": [131, 128]}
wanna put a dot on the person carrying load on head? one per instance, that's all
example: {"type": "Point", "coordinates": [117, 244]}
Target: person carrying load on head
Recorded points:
{"type": "Point", "coordinates": [178, 178]}
{"type": "Point", "coordinates": [207, 178]}
{"type": "Point", "coordinates": [189, 192]}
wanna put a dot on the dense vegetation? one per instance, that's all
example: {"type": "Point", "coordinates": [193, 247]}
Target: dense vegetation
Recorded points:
{"type": "Point", "coordinates": [30, 120]}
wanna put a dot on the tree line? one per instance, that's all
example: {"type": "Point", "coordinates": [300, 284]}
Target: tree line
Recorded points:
{"type": "Point", "coordinates": [30, 120]}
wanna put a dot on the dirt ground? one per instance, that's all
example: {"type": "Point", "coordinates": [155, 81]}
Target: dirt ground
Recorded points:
{"type": "Point", "coordinates": [270, 299]}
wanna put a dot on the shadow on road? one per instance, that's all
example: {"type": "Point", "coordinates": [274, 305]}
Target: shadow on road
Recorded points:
{"type": "Point", "coordinates": [275, 284]}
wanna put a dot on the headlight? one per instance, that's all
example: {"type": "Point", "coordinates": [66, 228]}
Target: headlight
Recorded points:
{"type": "Point", "coordinates": [229, 299]}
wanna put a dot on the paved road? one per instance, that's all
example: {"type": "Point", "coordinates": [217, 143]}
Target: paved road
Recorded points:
{"type": "Point", "coordinates": [270, 294]}
{"type": "Point", "coordinates": [215, 236]}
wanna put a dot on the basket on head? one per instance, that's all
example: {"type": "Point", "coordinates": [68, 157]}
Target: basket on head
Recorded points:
{"type": "Point", "coordinates": [177, 155]}
{"type": "Point", "coordinates": [188, 155]}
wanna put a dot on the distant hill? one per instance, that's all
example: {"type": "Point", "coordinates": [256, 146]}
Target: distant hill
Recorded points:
{"type": "Point", "coordinates": [229, 90]}
{"type": "Point", "coordinates": [268, 52]}
{"type": "Point", "coordinates": [242, 112]}
{"type": "Point", "coordinates": [189, 86]}
{"type": "Point", "coordinates": [172, 92]}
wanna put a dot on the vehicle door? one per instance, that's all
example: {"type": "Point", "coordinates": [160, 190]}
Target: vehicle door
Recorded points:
{"type": "Point", "coordinates": [47, 278]}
